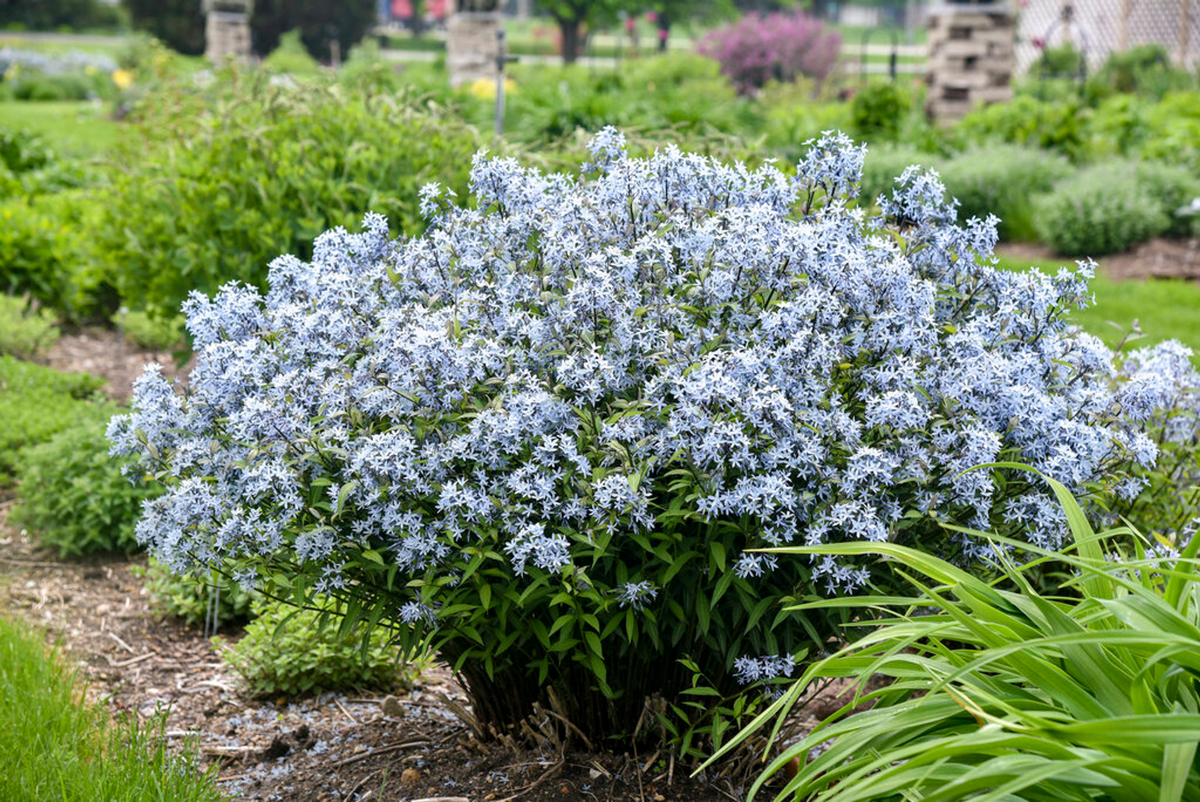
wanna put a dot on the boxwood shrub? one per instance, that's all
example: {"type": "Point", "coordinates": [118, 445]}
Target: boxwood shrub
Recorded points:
{"type": "Point", "coordinates": [1002, 179]}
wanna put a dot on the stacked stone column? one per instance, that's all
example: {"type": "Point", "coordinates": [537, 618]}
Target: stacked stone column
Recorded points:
{"type": "Point", "coordinates": [971, 58]}
{"type": "Point", "coordinates": [227, 30]}
{"type": "Point", "coordinates": [471, 43]}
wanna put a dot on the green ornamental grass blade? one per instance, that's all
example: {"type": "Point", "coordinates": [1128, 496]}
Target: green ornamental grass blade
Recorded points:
{"type": "Point", "coordinates": [998, 692]}
{"type": "Point", "coordinates": [1178, 759]}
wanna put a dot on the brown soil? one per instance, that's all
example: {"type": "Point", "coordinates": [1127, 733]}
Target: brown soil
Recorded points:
{"type": "Point", "coordinates": [1158, 258]}
{"type": "Point", "coordinates": [335, 747]}
{"type": "Point", "coordinates": [104, 353]}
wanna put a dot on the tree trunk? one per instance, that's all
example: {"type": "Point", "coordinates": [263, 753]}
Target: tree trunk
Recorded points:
{"type": "Point", "coordinates": [664, 30]}
{"type": "Point", "coordinates": [571, 40]}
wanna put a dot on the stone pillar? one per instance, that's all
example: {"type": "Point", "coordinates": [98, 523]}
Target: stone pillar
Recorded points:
{"type": "Point", "coordinates": [227, 30]}
{"type": "Point", "coordinates": [971, 57]}
{"type": "Point", "coordinates": [471, 42]}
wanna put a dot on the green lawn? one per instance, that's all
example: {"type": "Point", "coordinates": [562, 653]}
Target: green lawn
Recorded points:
{"type": "Point", "coordinates": [56, 745]}
{"type": "Point", "coordinates": [80, 128]}
{"type": "Point", "coordinates": [1164, 309]}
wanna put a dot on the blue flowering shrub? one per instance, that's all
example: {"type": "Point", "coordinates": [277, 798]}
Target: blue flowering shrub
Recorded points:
{"type": "Point", "coordinates": [544, 435]}
{"type": "Point", "coordinates": [1159, 389]}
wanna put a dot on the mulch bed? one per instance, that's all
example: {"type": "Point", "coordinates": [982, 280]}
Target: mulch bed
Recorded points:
{"type": "Point", "coordinates": [102, 352]}
{"type": "Point", "coordinates": [334, 747]}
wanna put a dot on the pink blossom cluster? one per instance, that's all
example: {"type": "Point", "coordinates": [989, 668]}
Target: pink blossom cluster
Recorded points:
{"type": "Point", "coordinates": [777, 46]}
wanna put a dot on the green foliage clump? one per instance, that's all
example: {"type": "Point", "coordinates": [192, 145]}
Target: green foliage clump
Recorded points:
{"type": "Point", "coordinates": [42, 247]}
{"type": "Point", "coordinates": [1001, 179]}
{"type": "Point", "coordinates": [1088, 693]}
{"type": "Point", "coordinates": [1100, 210]}
{"type": "Point", "coordinates": [1027, 121]}
{"type": "Point", "coordinates": [25, 329]}
{"type": "Point", "coordinates": [1060, 61]}
{"type": "Point", "coordinates": [1142, 70]}
{"type": "Point", "coordinates": [683, 93]}
{"type": "Point", "coordinates": [58, 745]}
{"type": "Point", "coordinates": [74, 496]}
{"type": "Point", "coordinates": [190, 597]}
{"type": "Point", "coordinates": [22, 151]}
{"type": "Point", "coordinates": [878, 110]}
{"type": "Point", "coordinates": [37, 86]}
{"type": "Point", "coordinates": [791, 117]}
{"type": "Point", "coordinates": [1174, 189]}
{"type": "Point", "coordinates": [299, 652]}
{"type": "Point", "coordinates": [37, 403]}
{"type": "Point", "coordinates": [28, 166]}
{"type": "Point", "coordinates": [1169, 131]}
{"type": "Point", "coordinates": [290, 57]}
{"type": "Point", "coordinates": [1166, 130]}
{"type": "Point", "coordinates": [150, 332]}
{"type": "Point", "coordinates": [245, 172]}
{"type": "Point", "coordinates": [368, 71]}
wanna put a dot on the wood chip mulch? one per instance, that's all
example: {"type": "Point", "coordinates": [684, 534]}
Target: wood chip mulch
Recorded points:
{"type": "Point", "coordinates": [334, 747]}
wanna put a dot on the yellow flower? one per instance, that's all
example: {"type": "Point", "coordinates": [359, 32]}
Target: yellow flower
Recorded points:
{"type": "Point", "coordinates": [485, 88]}
{"type": "Point", "coordinates": [89, 70]}
{"type": "Point", "coordinates": [122, 78]}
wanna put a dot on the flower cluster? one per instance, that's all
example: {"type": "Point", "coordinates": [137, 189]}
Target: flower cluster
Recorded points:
{"type": "Point", "coordinates": [757, 669]}
{"type": "Point", "coordinates": [814, 376]}
{"type": "Point", "coordinates": [757, 49]}
{"type": "Point", "coordinates": [53, 63]}
{"type": "Point", "coordinates": [1159, 389]}
{"type": "Point", "coordinates": [612, 382]}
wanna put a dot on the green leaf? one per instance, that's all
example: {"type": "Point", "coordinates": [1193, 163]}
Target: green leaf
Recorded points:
{"type": "Point", "coordinates": [718, 555]}
{"type": "Point", "coordinates": [1178, 759]}
{"type": "Point", "coordinates": [344, 494]}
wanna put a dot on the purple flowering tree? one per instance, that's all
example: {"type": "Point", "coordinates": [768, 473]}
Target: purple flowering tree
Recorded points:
{"type": "Point", "coordinates": [779, 46]}
{"type": "Point", "coordinates": [546, 435]}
